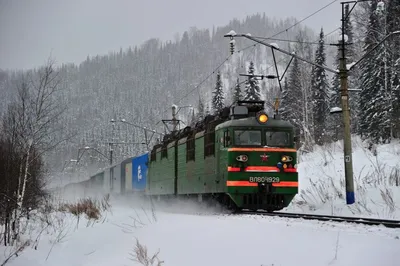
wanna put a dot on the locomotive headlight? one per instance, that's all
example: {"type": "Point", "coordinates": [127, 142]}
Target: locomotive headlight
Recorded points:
{"type": "Point", "coordinates": [242, 158]}
{"type": "Point", "coordinates": [262, 117]}
{"type": "Point", "coordinates": [286, 159]}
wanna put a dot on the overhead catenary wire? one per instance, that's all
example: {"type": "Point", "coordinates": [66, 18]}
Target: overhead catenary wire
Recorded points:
{"type": "Point", "coordinates": [309, 16]}
{"type": "Point", "coordinates": [287, 40]}
{"type": "Point", "coordinates": [226, 59]}
{"type": "Point", "coordinates": [213, 72]}
{"type": "Point", "coordinates": [280, 61]}
{"type": "Point", "coordinates": [253, 45]}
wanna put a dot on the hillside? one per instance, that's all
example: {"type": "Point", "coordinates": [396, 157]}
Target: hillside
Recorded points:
{"type": "Point", "coordinates": [142, 82]}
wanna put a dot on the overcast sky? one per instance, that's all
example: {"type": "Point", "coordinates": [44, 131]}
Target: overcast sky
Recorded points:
{"type": "Point", "coordinates": [69, 30]}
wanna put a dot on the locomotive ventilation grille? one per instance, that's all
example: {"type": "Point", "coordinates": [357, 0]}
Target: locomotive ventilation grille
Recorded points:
{"type": "Point", "coordinates": [272, 200]}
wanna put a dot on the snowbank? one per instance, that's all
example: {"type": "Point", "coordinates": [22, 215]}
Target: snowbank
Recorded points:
{"type": "Point", "coordinates": [376, 178]}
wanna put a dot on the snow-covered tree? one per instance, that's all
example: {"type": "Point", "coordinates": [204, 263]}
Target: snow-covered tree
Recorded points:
{"type": "Point", "coordinates": [335, 121]}
{"type": "Point", "coordinates": [30, 128]}
{"type": "Point", "coordinates": [354, 74]}
{"type": "Point", "coordinates": [284, 106]}
{"type": "Point", "coordinates": [291, 107]}
{"type": "Point", "coordinates": [237, 93]}
{"type": "Point", "coordinates": [252, 88]}
{"type": "Point", "coordinates": [305, 50]}
{"type": "Point", "coordinates": [208, 112]}
{"type": "Point", "coordinates": [140, 84]}
{"type": "Point", "coordinates": [192, 118]}
{"type": "Point", "coordinates": [218, 95]}
{"type": "Point", "coordinates": [374, 110]}
{"type": "Point", "coordinates": [200, 110]}
{"type": "Point", "coordinates": [319, 92]}
{"type": "Point", "coordinates": [393, 24]}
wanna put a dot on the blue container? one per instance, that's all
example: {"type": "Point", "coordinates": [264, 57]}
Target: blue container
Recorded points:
{"type": "Point", "coordinates": [139, 172]}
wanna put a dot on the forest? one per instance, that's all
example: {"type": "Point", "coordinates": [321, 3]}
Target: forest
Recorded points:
{"type": "Point", "coordinates": [140, 84]}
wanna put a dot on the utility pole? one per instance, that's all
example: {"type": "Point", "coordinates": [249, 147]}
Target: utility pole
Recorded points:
{"type": "Point", "coordinates": [174, 121]}
{"type": "Point", "coordinates": [111, 152]}
{"type": "Point", "coordinates": [343, 74]}
{"type": "Point", "coordinates": [145, 130]}
{"type": "Point", "coordinates": [145, 139]}
{"type": "Point", "coordinates": [112, 140]}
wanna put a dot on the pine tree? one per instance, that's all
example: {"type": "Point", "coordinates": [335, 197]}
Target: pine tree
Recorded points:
{"type": "Point", "coordinates": [252, 88]}
{"type": "Point", "coordinates": [237, 94]}
{"type": "Point", "coordinates": [207, 111]}
{"type": "Point", "coordinates": [395, 98]}
{"type": "Point", "coordinates": [374, 111]}
{"type": "Point", "coordinates": [354, 74]}
{"type": "Point", "coordinates": [285, 100]}
{"type": "Point", "coordinates": [319, 92]}
{"type": "Point", "coordinates": [291, 104]}
{"type": "Point", "coordinates": [218, 98]}
{"type": "Point", "coordinates": [305, 50]}
{"type": "Point", "coordinates": [393, 24]}
{"type": "Point", "coordinates": [201, 111]}
{"type": "Point", "coordinates": [192, 118]}
{"type": "Point", "coordinates": [335, 121]}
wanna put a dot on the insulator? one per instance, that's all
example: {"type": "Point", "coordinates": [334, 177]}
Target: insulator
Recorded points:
{"type": "Point", "coordinates": [232, 43]}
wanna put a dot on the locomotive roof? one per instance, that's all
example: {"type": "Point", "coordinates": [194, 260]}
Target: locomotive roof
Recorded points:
{"type": "Point", "coordinates": [252, 122]}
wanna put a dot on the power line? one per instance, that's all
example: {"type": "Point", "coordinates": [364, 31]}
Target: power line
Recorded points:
{"type": "Point", "coordinates": [302, 20]}
{"type": "Point", "coordinates": [283, 59]}
{"type": "Point", "coordinates": [253, 45]}
{"type": "Point", "coordinates": [285, 40]}
{"type": "Point", "coordinates": [297, 23]}
{"type": "Point", "coordinates": [213, 72]}
{"type": "Point", "coordinates": [280, 61]}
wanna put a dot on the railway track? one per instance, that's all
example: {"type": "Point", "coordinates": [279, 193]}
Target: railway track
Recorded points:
{"type": "Point", "coordinates": [358, 220]}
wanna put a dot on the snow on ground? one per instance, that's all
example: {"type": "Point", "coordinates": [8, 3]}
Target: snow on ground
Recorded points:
{"type": "Point", "coordinates": [188, 235]}
{"type": "Point", "coordinates": [376, 178]}
{"type": "Point", "coordinates": [322, 181]}
{"type": "Point", "coordinates": [201, 237]}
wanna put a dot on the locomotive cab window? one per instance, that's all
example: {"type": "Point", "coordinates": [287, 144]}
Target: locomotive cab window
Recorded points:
{"type": "Point", "coordinates": [277, 138]}
{"type": "Point", "coordinates": [227, 138]}
{"type": "Point", "coordinates": [247, 137]}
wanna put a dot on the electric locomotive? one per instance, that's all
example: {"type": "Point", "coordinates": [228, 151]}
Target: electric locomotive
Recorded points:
{"type": "Point", "coordinates": [260, 158]}
{"type": "Point", "coordinates": [241, 158]}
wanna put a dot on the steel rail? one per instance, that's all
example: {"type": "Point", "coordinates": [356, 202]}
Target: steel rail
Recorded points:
{"type": "Point", "coordinates": [318, 217]}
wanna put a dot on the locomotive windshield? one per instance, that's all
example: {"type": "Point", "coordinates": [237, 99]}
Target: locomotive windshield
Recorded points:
{"type": "Point", "coordinates": [248, 137]}
{"type": "Point", "coordinates": [277, 138]}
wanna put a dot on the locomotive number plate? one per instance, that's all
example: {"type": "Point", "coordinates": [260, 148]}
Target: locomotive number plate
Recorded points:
{"type": "Point", "coordinates": [262, 179]}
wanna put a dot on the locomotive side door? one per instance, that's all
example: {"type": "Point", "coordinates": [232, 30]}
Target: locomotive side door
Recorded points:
{"type": "Point", "coordinates": [220, 158]}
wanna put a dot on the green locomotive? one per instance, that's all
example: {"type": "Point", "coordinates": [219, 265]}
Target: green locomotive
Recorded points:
{"type": "Point", "coordinates": [240, 157]}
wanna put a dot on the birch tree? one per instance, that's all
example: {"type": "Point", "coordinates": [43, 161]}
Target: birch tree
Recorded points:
{"type": "Point", "coordinates": [32, 127]}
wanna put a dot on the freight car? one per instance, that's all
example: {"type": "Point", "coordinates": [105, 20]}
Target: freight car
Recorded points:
{"type": "Point", "coordinates": [241, 158]}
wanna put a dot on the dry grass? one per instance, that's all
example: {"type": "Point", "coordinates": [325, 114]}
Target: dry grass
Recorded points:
{"type": "Point", "coordinates": [91, 207]}
{"type": "Point", "coordinates": [140, 254]}
{"type": "Point", "coordinates": [377, 174]}
{"type": "Point", "coordinates": [18, 249]}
